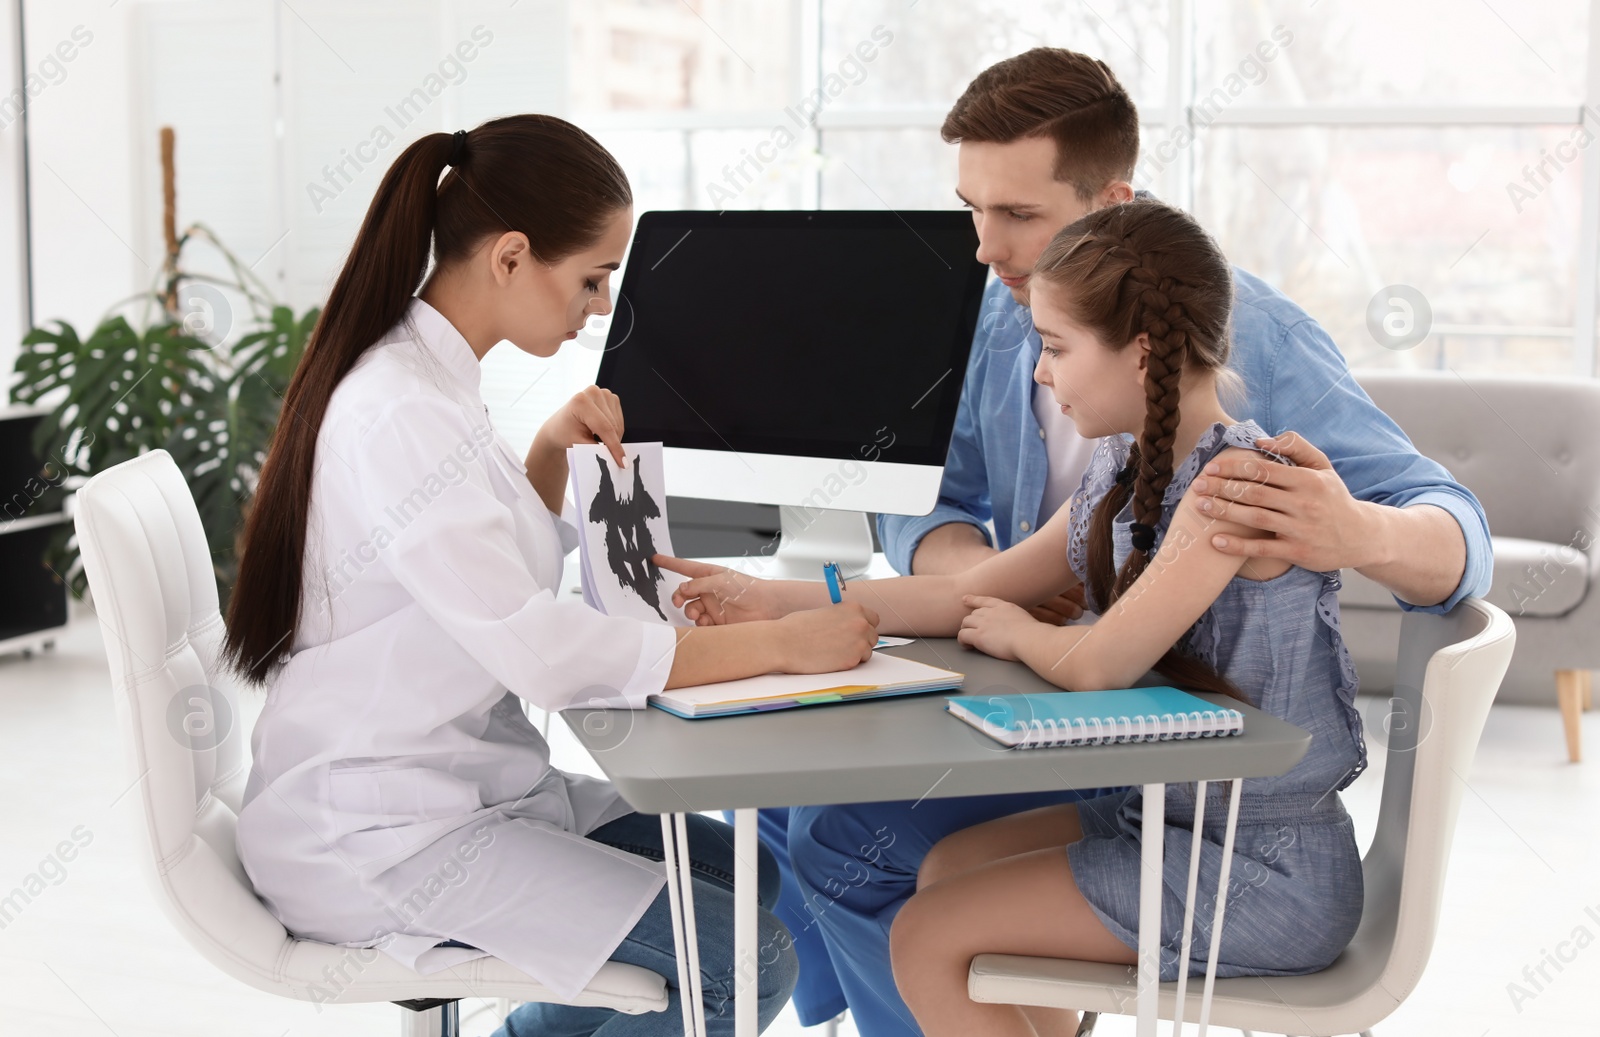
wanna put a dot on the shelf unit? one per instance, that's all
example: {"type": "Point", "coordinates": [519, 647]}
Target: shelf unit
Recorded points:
{"type": "Point", "coordinates": [33, 599]}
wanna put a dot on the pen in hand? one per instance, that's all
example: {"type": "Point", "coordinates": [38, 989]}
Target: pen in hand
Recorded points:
{"type": "Point", "coordinates": [831, 573]}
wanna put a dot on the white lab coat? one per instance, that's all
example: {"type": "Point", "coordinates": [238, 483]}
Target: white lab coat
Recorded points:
{"type": "Point", "coordinates": [399, 797]}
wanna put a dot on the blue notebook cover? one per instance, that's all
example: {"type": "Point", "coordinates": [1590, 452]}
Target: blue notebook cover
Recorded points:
{"type": "Point", "coordinates": [1095, 717]}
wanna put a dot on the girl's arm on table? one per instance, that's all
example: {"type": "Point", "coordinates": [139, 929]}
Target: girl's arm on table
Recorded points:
{"type": "Point", "coordinates": [1177, 586]}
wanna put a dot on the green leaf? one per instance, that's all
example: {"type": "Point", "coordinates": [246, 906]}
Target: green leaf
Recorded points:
{"type": "Point", "coordinates": [44, 367]}
{"type": "Point", "coordinates": [266, 360]}
{"type": "Point", "coordinates": [202, 443]}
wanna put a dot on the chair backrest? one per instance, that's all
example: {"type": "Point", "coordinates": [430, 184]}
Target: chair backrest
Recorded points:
{"type": "Point", "coordinates": [154, 590]}
{"type": "Point", "coordinates": [1509, 440]}
{"type": "Point", "coordinates": [1448, 671]}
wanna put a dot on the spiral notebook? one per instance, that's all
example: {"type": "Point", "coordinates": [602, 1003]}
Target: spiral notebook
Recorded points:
{"type": "Point", "coordinates": [1061, 718]}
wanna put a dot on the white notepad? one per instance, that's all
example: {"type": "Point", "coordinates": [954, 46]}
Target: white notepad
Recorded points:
{"type": "Point", "coordinates": [880, 676]}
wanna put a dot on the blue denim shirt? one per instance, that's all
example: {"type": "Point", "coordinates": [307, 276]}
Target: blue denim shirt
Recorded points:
{"type": "Point", "coordinates": [1294, 378]}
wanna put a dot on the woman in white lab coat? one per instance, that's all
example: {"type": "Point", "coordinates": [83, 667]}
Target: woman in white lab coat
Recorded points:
{"type": "Point", "coordinates": [396, 594]}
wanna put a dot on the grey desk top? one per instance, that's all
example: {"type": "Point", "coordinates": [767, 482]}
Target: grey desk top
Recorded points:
{"type": "Point", "coordinates": [904, 747]}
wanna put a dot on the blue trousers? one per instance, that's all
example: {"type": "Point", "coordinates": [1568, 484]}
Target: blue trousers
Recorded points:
{"type": "Point", "coordinates": [853, 867]}
{"type": "Point", "coordinates": [650, 943]}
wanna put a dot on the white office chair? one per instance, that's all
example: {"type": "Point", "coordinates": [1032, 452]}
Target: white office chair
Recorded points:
{"type": "Point", "coordinates": [1449, 669]}
{"type": "Point", "coordinates": [149, 569]}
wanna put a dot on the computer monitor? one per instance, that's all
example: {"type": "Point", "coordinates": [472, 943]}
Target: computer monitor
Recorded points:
{"type": "Point", "coordinates": [811, 359]}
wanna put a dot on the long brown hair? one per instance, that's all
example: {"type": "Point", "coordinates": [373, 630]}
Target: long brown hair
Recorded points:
{"type": "Point", "coordinates": [536, 174]}
{"type": "Point", "coordinates": [1069, 97]}
{"type": "Point", "coordinates": [1144, 267]}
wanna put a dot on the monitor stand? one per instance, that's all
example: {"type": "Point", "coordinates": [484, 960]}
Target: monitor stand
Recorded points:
{"type": "Point", "coordinates": [813, 536]}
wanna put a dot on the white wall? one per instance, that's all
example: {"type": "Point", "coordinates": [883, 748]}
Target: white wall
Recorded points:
{"type": "Point", "coordinates": [86, 254]}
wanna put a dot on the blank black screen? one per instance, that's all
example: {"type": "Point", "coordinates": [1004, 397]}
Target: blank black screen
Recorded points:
{"type": "Point", "coordinates": [813, 333]}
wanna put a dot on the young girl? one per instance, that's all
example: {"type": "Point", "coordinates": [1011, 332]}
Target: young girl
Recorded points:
{"type": "Point", "coordinates": [1132, 304]}
{"type": "Point", "coordinates": [397, 595]}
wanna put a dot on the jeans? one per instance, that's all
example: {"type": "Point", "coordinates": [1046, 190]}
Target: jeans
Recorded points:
{"type": "Point", "coordinates": [856, 866]}
{"type": "Point", "coordinates": [650, 943]}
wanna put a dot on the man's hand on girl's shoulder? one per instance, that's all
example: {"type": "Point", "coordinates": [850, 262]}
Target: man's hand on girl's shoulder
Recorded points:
{"type": "Point", "coordinates": [1315, 522]}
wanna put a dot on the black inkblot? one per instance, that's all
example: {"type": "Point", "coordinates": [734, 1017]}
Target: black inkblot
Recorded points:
{"type": "Point", "coordinates": [629, 545]}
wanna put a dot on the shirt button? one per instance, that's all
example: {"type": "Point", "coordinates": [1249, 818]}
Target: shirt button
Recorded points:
{"type": "Point", "coordinates": [1023, 525]}
{"type": "Point", "coordinates": [1041, 432]}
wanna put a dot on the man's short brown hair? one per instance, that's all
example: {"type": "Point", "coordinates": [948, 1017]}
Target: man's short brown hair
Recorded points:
{"type": "Point", "coordinates": [1066, 96]}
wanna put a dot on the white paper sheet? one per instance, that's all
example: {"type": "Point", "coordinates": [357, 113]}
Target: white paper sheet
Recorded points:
{"type": "Point", "coordinates": [622, 516]}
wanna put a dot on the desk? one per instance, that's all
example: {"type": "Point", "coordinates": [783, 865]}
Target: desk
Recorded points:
{"type": "Point", "coordinates": [906, 748]}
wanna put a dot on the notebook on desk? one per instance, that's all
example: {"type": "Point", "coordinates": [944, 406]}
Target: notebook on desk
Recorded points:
{"type": "Point", "coordinates": [878, 677]}
{"type": "Point", "coordinates": [1062, 718]}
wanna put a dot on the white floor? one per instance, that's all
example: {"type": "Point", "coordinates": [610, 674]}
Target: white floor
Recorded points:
{"type": "Point", "coordinates": [93, 956]}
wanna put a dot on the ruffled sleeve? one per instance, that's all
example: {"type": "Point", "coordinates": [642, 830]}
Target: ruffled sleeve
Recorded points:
{"type": "Point", "coordinates": [1109, 457]}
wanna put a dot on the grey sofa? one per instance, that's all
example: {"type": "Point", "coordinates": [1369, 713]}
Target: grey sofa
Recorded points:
{"type": "Point", "coordinates": [1529, 448]}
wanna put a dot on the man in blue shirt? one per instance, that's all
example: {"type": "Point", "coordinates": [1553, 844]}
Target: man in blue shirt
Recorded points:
{"type": "Point", "coordinates": [1046, 137]}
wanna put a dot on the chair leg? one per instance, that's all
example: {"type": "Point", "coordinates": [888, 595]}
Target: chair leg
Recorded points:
{"type": "Point", "coordinates": [442, 1020]}
{"type": "Point", "coordinates": [1569, 693]}
{"type": "Point", "coordinates": [1588, 690]}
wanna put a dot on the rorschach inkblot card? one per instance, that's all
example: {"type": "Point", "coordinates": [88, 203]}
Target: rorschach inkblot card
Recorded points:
{"type": "Point", "coordinates": [622, 524]}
